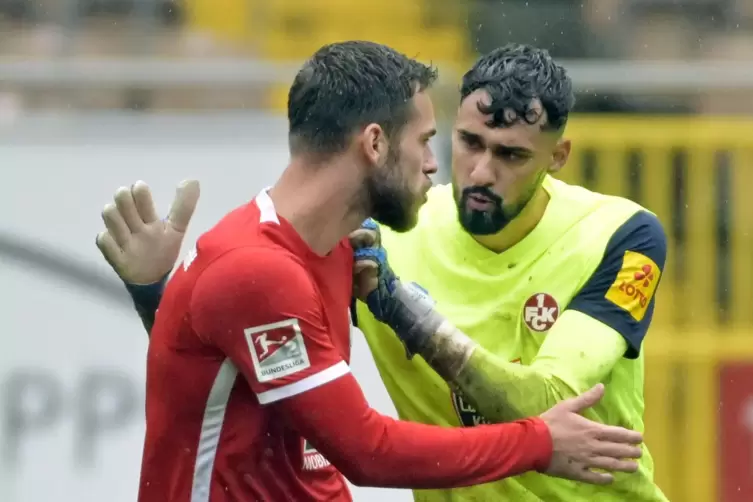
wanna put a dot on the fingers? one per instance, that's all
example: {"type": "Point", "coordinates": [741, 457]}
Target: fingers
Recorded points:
{"type": "Point", "coordinates": [363, 238]}
{"type": "Point", "coordinates": [116, 225]}
{"type": "Point", "coordinates": [586, 400]}
{"type": "Point", "coordinates": [595, 478]}
{"type": "Point", "coordinates": [363, 265]}
{"type": "Point", "coordinates": [617, 450]}
{"type": "Point", "coordinates": [127, 209]}
{"type": "Point", "coordinates": [366, 236]}
{"type": "Point", "coordinates": [618, 435]}
{"type": "Point", "coordinates": [109, 249]}
{"type": "Point", "coordinates": [144, 202]}
{"type": "Point", "coordinates": [181, 211]}
{"type": "Point", "coordinates": [613, 464]}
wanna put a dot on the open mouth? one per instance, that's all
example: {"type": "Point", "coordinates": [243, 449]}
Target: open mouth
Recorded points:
{"type": "Point", "coordinates": [480, 203]}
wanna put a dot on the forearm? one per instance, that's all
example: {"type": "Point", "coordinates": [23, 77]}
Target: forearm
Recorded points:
{"type": "Point", "coordinates": [578, 352]}
{"type": "Point", "coordinates": [500, 390]}
{"type": "Point", "coordinates": [146, 300]}
{"type": "Point", "coordinates": [374, 450]}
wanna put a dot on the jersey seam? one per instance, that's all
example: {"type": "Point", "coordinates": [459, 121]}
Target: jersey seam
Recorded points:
{"type": "Point", "coordinates": [214, 260]}
{"type": "Point", "coordinates": [607, 250]}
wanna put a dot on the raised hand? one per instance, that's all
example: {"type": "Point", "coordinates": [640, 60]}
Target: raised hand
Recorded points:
{"type": "Point", "coordinates": [138, 245]}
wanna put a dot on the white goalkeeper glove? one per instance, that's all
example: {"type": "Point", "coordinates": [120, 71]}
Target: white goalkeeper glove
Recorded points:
{"type": "Point", "coordinates": [138, 245]}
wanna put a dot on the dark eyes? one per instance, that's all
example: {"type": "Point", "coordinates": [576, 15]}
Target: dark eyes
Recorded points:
{"type": "Point", "coordinates": [471, 142]}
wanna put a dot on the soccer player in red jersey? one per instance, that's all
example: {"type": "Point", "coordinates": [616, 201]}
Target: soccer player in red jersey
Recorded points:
{"type": "Point", "coordinates": [249, 393]}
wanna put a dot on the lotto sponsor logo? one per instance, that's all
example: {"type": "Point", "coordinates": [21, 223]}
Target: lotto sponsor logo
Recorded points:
{"type": "Point", "coordinates": [634, 292]}
{"type": "Point", "coordinates": [277, 349]}
{"type": "Point", "coordinates": [540, 312]}
{"type": "Point", "coordinates": [635, 284]}
{"type": "Point", "coordinates": [645, 275]}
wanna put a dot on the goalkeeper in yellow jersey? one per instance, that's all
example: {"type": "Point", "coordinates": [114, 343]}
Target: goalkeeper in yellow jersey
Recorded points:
{"type": "Point", "coordinates": [537, 289]}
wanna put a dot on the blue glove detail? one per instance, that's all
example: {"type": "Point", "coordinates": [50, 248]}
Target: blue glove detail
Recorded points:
{"type": "Point", "coordinates": [406, 308]}
{"type": "Point", "coordinates": [146, 297]}
{"type": "Point", "coordinates": [379, 299]}
{"type": "Point", "coordinates": [370, 224]}
{"type": "Point", "coordinates": [378, 255]}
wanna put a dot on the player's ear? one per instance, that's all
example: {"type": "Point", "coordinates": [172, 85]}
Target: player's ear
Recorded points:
{"type": "Point", "coordinates": [374, 143]}
{"type": "Point", "coordinates": [560, 155]}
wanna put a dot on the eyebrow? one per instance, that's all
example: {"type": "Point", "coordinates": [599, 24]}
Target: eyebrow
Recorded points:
{"type": "Point", "coordinates": [497, 148]}
{"type": "Point", "coordinates": [430, 133]}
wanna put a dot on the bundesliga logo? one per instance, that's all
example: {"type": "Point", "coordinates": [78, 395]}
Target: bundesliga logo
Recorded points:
{"type": "Point", "coordinates": [277, 350]}
{"type": "Point", "coordinates": [540, 311]}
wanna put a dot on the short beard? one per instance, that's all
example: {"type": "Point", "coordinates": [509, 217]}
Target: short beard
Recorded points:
{"type": "Point", "coordinates": [481, 222]}
{"type": "Point", "coordinates": [494, 221]}
{"type": "Point", "coordinates": [391, 202]}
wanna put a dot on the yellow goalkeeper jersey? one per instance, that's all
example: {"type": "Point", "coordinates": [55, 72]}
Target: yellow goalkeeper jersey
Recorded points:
{"type": "Point", "coordinates": [599, 255]}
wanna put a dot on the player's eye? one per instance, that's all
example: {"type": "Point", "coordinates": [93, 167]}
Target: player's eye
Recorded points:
{"type": "Point", "coordinates": [472, 142]}
{"type": "Point", "coordinates": [511, 156]}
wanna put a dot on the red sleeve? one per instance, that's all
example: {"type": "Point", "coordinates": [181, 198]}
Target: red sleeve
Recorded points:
{"type": "Point", "coordinates": [371, 449]}
{"type": "Point", "coordinates": [261, 309]}
{"type": "Point", "coordinates": [315, 393]}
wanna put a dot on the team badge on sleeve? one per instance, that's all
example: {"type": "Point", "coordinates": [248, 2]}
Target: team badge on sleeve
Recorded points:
{"type": "Point", "coordinates": [635, 284]}
{"type": "Point", "coordinates": [277, 349]}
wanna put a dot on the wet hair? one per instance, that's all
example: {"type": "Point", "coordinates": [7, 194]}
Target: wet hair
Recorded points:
{"type": "Point", "coordinates": [515, 75]}
{"type": "Point", "coordinates": [346, 86]}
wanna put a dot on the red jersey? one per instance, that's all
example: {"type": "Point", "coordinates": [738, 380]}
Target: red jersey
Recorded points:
{"type": "Point", "coordinates": [249, 392]}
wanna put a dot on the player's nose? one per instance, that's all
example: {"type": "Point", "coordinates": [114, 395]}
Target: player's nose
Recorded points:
{"type": "Point", "coordinates": [482, 173]}
{"type": "Point", "coordinates": [431, 165]}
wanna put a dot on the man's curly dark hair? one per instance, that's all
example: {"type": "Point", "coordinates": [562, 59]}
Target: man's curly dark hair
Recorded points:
{"type": "Point", "coordinates": [514, 75]}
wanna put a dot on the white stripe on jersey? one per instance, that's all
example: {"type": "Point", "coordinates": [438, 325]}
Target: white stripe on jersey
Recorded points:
{"type": "Point", "coordinates": [211, 428]}
{"type": "Point", "coordinates": [310, 382]}
{"type": "Point", "coordinates": [214, 416]}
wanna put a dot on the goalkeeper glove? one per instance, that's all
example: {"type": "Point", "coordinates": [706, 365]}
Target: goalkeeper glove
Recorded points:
{"type": "Point", "coordinates": [141, 248]}
{"type": "Point", "coordinates": [405, 307]}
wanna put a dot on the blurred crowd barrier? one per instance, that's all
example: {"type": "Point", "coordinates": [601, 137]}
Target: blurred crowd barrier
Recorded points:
{"type": "Point", "coordinates": [664, 117]}
{"type": "Point", "coordinates": [673, 56]}
{"type": "Point", "coordinates": [695, 173]}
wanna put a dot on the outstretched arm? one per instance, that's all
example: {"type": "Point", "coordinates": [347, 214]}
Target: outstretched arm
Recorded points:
{"type": "Point", "coordinates": [579, 352]}
{"type": "Point", "coordinates": [142, 248]}
{"type": "Point", "coordinates": [601, 325]}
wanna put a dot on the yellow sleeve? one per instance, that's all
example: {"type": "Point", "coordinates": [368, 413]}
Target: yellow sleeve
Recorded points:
{"type": "Point", "coordinates": [579, 351]}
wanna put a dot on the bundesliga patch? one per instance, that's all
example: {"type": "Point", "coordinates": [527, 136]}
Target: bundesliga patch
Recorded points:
{"type": "Point", "coordinates": [635, 284]}
{"type": "Point", "coordinates": [277, 350]}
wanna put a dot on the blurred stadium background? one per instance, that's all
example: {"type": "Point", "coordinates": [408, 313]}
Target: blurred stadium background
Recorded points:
{"type": "Point", "coordinates": [95, 94]}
